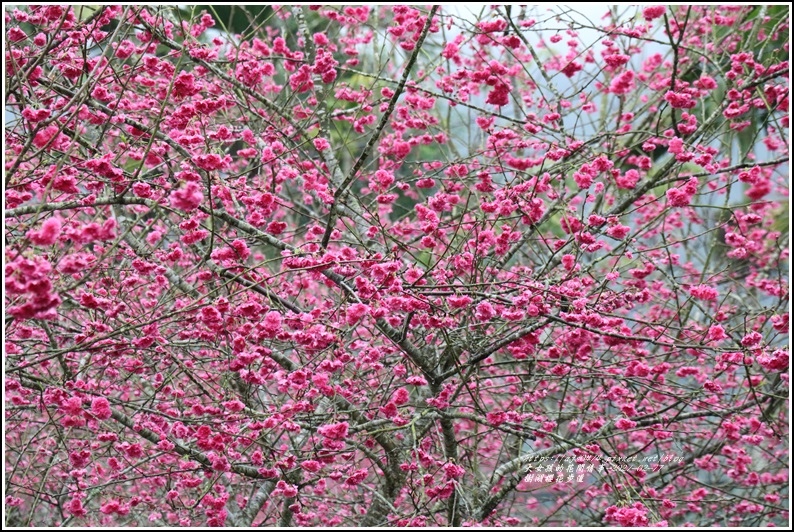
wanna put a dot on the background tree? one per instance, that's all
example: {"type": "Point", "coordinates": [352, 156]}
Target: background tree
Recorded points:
{"type": "Point", "coordinates": [396, 265]}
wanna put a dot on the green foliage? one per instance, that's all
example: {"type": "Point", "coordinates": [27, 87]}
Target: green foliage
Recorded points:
{"type": "Point", "coordinates": [234, 19]}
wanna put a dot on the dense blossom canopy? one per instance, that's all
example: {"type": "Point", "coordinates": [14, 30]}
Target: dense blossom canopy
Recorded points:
{"type": "Point", "coordinates": [396, 266]}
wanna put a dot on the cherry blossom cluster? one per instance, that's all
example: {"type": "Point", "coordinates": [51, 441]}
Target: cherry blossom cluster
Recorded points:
{"type": "Point", "coordinates": [361, 265]}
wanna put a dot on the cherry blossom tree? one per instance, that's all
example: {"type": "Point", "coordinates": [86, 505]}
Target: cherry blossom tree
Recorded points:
{"type": "Point", "coordinates": [396, 266]}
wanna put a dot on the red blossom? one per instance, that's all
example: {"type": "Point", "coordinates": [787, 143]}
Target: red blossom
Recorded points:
{"type": "Point", "coordinates": [336, 431]}
{"type": "Point", "coordinates": [623, 83]}
{"type": "Point", "coordinates": [356, 312]}
{"type": "Point", "coordinates": [716, 333]}
{"type": "Point", "coordinates": [209, 161]}
{"type": "Point", "coordinates": [704, 292]}
{"type": "Point", "coordinates": [100, 407]}
{"type": "Point", "coordinates": [653, 12]}
{"type": "Point", "coordinates": [680, 100]}
{"type": "Point", "coordinates": [624, 424]}
{"type": "Point", "coordinates": [187, 198]}
{"type": "Point", "coordinates": [335, 266]}
{"type": "Point", "coordinates": [778, 360]}
{"type": "Point", "coordinates": [500, 95]}
{"type": "Point", "coordinates": [47, 235]}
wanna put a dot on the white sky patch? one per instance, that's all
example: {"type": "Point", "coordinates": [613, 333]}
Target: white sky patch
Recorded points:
{"type": "Point", "coordinates": [588, 15]}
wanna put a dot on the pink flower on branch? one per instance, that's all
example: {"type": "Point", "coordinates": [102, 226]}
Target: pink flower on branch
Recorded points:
{"type": "Point", "coordinates": [332, 266]}
{"type": "Point", "coordinates": [187, 198]}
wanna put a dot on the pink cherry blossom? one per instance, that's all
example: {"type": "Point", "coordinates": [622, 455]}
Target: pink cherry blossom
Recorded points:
{"type": "Point", "coordinates": [187, 198]}
{"type": "Point", "coordinates": [396, 265]}
{"type": "Point", "coordinates": [653, 12]}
